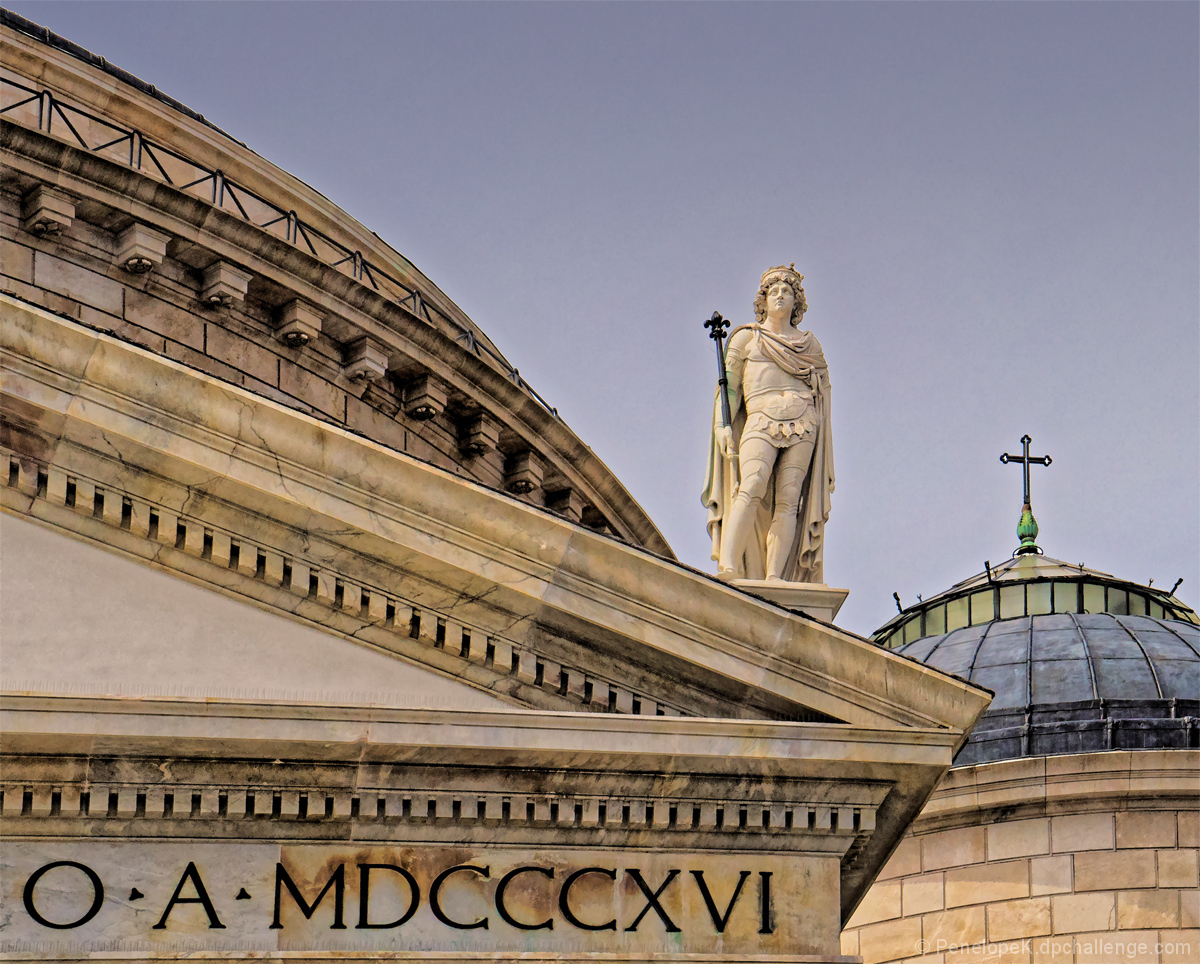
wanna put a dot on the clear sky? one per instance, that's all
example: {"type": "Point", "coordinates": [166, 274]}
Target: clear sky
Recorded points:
{"type": "Point", "coordinates": [995, 207]}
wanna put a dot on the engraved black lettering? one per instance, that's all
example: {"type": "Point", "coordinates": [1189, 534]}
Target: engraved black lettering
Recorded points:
{"type": "Point", "coordinates": [765, 915]}
{"type": "Point", "coordinates": [192, 875]}
{"type": "Point", "coordinates": [547, 924]}
{"type": "Point", "coordinates": [364, 895]}
{"type": "Point", "coordinates": [93, 879]}
{"type": "Point", "coordinates": [719, 920]}
{"type": "Point", "coordinates": [337, 880]}
{"type": "Point", "coordinates": [652, 900]}
{"type": "Point", "coordinates": [435, 889]}
{"type": "Point", "coordinates": [564, 899]}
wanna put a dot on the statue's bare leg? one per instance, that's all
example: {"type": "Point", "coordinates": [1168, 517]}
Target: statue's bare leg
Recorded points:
{"type": "Point", "coordinates": [790, 472]}
{"type": "Point", "coordinates": [757, 459]}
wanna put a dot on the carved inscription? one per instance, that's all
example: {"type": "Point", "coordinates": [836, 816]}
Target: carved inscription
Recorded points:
{"type": "Point", "coordinates": [423, 898]}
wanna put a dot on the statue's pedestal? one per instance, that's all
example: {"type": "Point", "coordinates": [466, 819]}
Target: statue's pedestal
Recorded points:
{"type": "Point", "coordinates": [811, 598]}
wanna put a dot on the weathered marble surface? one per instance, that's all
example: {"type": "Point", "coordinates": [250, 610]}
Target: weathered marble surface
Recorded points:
{"type": "Point", "coordinates": [204, 480]}
{"type": "Point", "coordinates": [118, 628]}
{"type": "Point", "coordinates": [800, 897]}
{"type": "Point", "coordinates": [95, 768]}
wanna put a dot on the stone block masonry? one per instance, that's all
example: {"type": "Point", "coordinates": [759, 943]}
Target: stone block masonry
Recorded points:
{"type": "Point", "coordinates": [1100, 885]}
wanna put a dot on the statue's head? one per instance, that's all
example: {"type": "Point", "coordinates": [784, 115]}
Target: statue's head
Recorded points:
{"type": "Point", "coordinates": [788, 276]}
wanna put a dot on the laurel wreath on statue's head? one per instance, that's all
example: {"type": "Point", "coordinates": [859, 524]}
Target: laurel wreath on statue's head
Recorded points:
{"type": "Point", "coordinates": [794, 281]}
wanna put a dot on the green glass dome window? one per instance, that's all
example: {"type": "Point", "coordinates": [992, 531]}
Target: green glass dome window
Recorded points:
{"type": "Point", "coordinates": [1029, 585]}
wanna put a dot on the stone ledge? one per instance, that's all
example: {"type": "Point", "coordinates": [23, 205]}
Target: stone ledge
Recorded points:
{"type": "Point", "coordinates": [1066, 785]}
{"type": "Point", "coordinates": [810, 598]}
{"type": "Point", "coordinates": [432, 957]}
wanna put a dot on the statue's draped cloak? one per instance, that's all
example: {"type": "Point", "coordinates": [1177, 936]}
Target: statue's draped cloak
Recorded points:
{"type": "Point", "coordinates": [799, 354]}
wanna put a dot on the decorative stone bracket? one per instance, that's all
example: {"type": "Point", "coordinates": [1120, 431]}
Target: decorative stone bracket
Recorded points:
{"type": "Point", "coordinates": [140, 249]}
{"type": "Point", "coordinates": [480, 435]}
{"type": "Point", "coordinates": [46, 212]}
{"type": "Point", "coordinates": [223, 284]}
{"type": "Point", "coordinates": [523, 474]}
{"type": "Point", "coordinates": [364, 360]}
{"type": "Point", "coordinates": [424, 398]}
{"type": "Point", "coordinates": [299, 324]}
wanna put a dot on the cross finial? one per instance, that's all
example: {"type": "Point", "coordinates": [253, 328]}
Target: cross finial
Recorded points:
{"type": "Point", "coordinates": [1027, 528]}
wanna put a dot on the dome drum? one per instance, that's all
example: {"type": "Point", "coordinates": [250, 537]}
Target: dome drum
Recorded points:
{"type": "Point", "coordinates": [1086, 726]}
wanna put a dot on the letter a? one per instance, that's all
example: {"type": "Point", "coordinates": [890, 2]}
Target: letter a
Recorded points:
{"type": "Point", "coordinates": [192, 874]}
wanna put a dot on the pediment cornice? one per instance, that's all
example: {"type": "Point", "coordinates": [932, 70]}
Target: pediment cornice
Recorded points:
{"type": "Point", "coordinates": [372, 540]}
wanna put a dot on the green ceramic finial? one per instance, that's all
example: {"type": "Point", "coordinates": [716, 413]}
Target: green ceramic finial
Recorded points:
{"type": "Point", "coordinates": [1027, 528]}
{"type": "Point", "coordinates": [1027, 531]}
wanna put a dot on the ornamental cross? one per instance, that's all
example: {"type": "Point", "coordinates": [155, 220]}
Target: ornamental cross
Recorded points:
{"type": "Point", "coordinates": [1027, 528]}
{"type": "Point", "coordinates": [1026, 460]}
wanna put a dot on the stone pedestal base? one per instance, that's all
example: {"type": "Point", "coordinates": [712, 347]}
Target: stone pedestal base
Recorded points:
{"type": "Point", "coordinates": [810, 598]}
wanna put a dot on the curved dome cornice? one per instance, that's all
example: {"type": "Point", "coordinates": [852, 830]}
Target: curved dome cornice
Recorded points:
{"type": "Point", "coordinates": [373, 309]}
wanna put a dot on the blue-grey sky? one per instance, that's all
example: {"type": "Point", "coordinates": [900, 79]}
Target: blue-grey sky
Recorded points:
{"type": "Point", "coordinates": [995, 207]}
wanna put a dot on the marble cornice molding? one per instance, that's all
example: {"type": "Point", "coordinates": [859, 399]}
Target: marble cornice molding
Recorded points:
{"type": "Point", "coordinates": [380, 733]}
{"type": "Point", "coordinates": [47, 951]}
{"type": "Point", "coordinates": [448, 775]}
{"type": "Point", "coordinates": [500, 563]}
{"type": "Point", "coordinates": [676, 783]}
{"type": "Point", "coordinates": [355, 309]}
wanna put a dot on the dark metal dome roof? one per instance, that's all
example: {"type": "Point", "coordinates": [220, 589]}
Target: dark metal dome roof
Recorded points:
{"type": "Point", "coordinates": [1074, 682]}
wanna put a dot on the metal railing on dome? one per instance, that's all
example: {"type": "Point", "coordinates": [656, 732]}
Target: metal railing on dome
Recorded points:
{"type": "Point", "coordinates": [43, 110]}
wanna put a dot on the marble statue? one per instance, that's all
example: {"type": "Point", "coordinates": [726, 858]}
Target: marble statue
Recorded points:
{"type": "Point", "coordinates": [770, 472]}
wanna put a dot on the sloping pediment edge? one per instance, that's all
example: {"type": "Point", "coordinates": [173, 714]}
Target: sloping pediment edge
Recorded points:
{"type": "Point", "coordinates": [202, 478]}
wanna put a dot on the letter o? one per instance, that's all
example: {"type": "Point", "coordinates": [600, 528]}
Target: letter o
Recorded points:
{"type": "Point", "coordinates": [97, 894]}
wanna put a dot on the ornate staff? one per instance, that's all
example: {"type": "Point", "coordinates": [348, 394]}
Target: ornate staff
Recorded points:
{"type": "Point", "coordinates": [718, 326]}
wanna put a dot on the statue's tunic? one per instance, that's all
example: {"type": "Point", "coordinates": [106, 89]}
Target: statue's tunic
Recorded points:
{"type": "Point", "coordinates": [784, 397]}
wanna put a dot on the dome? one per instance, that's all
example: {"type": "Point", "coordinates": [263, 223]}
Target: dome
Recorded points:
{"type": "Point", "coordinates": [1028, 585]}
{"type": "Point", "coordinates": [1079, 660]}
{"type": "Point", "coordinates": [255, 278]}
{"type": "Point", "coordinates": [1074, 682]}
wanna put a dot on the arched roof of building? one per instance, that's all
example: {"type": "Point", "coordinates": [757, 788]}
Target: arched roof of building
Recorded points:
{"type": "Point", "coordinates": [1028, 584]}
{"type": "Point", "coordinates": [123, 153]}
{"type": "Point", "coordinates": [1074, 682]}
{"type": "Point", "coordinates": [1079, 660]}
